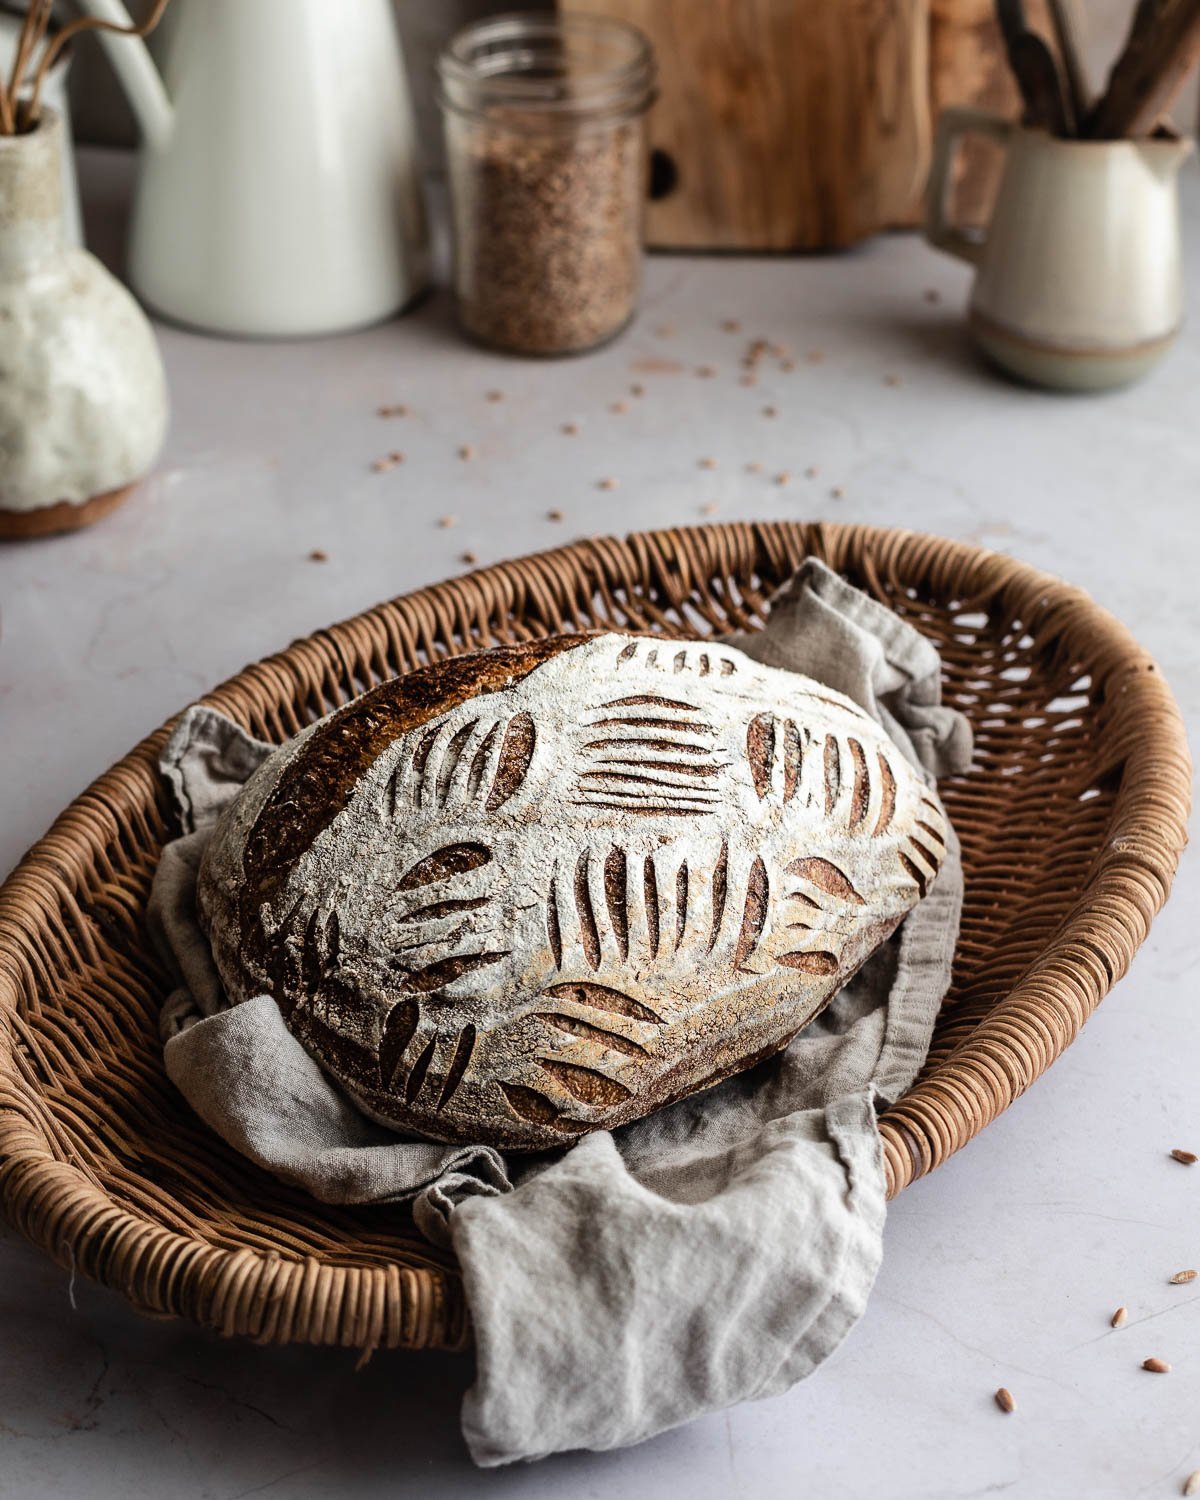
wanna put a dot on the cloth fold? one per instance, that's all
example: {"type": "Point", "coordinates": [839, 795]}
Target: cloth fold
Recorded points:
{"type": "Point", "coordinates": [714, 1252]}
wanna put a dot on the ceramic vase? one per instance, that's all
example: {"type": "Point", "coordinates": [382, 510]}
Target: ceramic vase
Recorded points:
{"type": "Point", "coordinates": [83, 399]}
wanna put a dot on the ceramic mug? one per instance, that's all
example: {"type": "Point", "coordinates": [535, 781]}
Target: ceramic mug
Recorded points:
{"type": "Point", "coordinates": [1078, 283]}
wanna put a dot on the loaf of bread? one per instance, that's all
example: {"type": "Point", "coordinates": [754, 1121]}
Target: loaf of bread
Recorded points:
{"type": "Point", "coordinates": [545, 889]}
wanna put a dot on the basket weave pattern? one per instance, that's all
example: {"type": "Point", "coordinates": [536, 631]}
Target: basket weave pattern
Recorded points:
{"type": "Point", "coordinates": [1072, 822]}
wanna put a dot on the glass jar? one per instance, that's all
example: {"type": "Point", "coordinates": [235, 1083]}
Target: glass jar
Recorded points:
{"type": "Point", "coordinates": [546, 155]}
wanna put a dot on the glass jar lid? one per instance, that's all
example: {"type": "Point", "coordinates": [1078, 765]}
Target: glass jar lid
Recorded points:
{"type": "Point", "coordinates": [541, 67]}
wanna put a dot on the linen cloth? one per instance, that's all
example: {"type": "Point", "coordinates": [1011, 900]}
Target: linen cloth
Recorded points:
{"type": "Point", "coordinates": [714, 1252]}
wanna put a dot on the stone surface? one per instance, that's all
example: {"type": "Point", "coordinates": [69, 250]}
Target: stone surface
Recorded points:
{"type": "Point", "coordinates": [1004, 1266]}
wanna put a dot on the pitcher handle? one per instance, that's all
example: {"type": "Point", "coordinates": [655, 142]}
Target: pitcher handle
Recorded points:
{"type": "Point", "coordinates": [955, 122]}
{"type": "Point", "coordinates": [133, 65]}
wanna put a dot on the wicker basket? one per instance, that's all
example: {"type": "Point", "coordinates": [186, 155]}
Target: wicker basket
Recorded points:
{"type": "Point", "coordinates": [1072, 823]}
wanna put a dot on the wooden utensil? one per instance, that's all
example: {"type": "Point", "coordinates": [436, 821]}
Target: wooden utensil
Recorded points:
{"type": "Point", "coordinates": [1146, 16]}
{"type": "Point", "coordinates": [1043, 88]}
{"type": "Point", "coordinates": [1162, 49]}
{"type": "Point", "coordinates": [1047, 100]}
{"type": "Point", "coordinates": [1011, 16]}
{"type": "Point", "coordinates": [1066, 16]}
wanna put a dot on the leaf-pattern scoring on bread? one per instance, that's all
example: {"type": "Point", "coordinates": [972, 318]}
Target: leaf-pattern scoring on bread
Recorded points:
{"type": "Point", "coordinates": [567, 883]}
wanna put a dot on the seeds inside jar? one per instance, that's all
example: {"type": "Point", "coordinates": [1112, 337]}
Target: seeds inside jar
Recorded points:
{"type": "Point", "coordinates": [549, 236]}
{"type": "Point", "coordinates": [546, 155]}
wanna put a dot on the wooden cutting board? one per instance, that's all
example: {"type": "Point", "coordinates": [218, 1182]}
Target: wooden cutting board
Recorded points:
{"type": "Point", "coordinates": [783, 124]}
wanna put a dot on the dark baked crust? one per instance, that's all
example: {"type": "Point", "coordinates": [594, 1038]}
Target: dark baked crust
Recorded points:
{"type": "Point", "coordinates": [322, 778]}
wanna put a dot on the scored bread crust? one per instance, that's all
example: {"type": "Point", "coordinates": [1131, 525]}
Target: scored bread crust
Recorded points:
{"type": "Point", "coordinates": [526, 893]}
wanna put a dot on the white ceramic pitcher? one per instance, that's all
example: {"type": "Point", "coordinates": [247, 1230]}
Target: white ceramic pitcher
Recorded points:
{"type": "Point", "coordinates": [1078, 282]}
{"type": "Point", "coordinates": [278, 193]}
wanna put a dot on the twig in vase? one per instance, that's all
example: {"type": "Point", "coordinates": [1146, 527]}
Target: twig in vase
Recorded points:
{"type": "Point", "coordinates": [33, 32]}
{"type": "Point", "coordinates": [17, 114]}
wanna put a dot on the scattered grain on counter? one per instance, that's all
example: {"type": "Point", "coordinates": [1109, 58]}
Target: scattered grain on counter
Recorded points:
{"type": "Point", "coordinates": [770, 411]}
{"type": "Point", "coordinates": [1119, 1318]}
{"type": "Point", "coordinates": [382, 465]}
{"type": "Point", "coordinates": [1004, 1400]}
{"type": "Point", "coordinates": [1191, 1485]}
{"type": "Point", "coordinates": [494, 396]}
{"type": "Point", "coordinates": [606, 484]}
{"type": "Point", "coordinates": [570, 429]}
{"type": "Point", "coordinates": [637, 390]}
{"type": "Point", "coordinates": [891, 380]}
{"type": "Point", "coordinates": [932, 295]}
{"type": "Point", "coordinates": [731, 325]}
{"type": "Point", "coordinates": [1188, 1158]}
{"type": "Point", "coordinates": [754, 467]}
{"type": "Point", "coordinates": [318, 554]}
{"type": "Point", "coordinates": [466, 453]}
{"type": "Point", "coordinates": [708, 463]}
{"type": "Point", "coordinates": [1181, 1278]}
{"type": "Point", "coordinates": [554, 514]}
{"type": "Point", "coordinates": [1156, 1366]}
{"type": "Point", "coordinates": [469, 558]}
{"type": "Point", "coordinates": [706, 372]}
{"type": "Point", "coordinates": [837, 493]}
{"type": "Point", "coordinates": [446, 522]}
{"type": "Point", "coordinates": [815, 356]}
{"type": "Point", "coordinates": [708, 509]}
{"type": "Point", "coordinates": [395, 456]}
{"type": "Point", "coordinates": [664, 331]}
{"type": "Point", "coordinates": [811, 472]}
{"type": "Point", "coordinates": [392, 411]}
{"type": "Point", "coordinates": [619, 408]}
{"type": "Point", "coordinates": [747, 379]}
{"type": "Point", "coordinates": [783, 477]}
{"type": "Point", "coordinates": [788, 365]}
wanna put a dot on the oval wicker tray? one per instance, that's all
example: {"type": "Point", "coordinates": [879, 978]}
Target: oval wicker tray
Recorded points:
{"type": "Point", "coordinates": [1072, 823]}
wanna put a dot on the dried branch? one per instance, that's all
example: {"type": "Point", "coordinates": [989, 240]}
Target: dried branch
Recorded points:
{"type": "Point", "coordinates": [24, 114]}
{"type": "Point", "coordinates": [33, 32]}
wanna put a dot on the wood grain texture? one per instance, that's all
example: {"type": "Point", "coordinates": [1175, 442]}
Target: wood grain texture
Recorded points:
{"type": "Point", "coordinates": [790, 124]}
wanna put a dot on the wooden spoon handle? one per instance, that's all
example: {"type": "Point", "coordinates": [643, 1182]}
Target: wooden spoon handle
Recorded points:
{"type": "Point", "coordinates": [1046, 100]}
{"type": "Point", "coordinates": [1067, 18]}
{"type": "Point", "coordinates": [1010, 14]}
{"type": "Point", "coordinates": [1162, 49]}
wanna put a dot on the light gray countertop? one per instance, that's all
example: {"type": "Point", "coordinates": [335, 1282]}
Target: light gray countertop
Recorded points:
{"type": "Point", "coordinates": [1004, 1266]}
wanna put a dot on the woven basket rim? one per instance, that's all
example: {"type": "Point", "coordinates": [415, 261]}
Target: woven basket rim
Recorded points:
{"type": "Point", "coordinates": [61, 1209]}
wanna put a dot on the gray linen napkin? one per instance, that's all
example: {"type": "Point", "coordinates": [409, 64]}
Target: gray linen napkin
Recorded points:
{"type": "Point", "coordinates": [716, 1251]}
